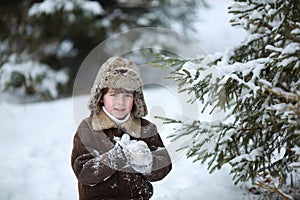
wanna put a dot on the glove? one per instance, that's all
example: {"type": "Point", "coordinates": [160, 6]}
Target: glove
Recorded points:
{"type": "Point", "coordinates": [140, 157]}
{"type": "Point", "coordinates": [114, 158]}
{"type": "Point", "coordinates": [138, 154]}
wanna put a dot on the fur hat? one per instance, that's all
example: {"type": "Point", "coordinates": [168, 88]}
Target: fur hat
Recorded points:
{"type": "Point", "coordinates": [118, 72]}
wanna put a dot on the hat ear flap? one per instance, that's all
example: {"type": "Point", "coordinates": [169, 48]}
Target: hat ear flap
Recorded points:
{"type": "Point", "coordinates": [140, 107]}
{"type": "Point", "coordinates": [95, 100]}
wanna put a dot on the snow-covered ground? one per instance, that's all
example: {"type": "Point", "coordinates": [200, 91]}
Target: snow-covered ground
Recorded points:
{"type": "Point", "coordinates": [36, 139]}
{"type": "Point", "coordinates": [35, 149]}
{"type": "Point", "coordinates": [36, 143]}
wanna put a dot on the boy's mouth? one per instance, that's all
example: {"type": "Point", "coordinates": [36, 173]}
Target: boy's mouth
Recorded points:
{"type": "Point", "coordinates": [120, 109]}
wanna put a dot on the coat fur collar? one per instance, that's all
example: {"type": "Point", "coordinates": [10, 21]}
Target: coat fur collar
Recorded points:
{"type": "Point", "coordinates": [132, 126]}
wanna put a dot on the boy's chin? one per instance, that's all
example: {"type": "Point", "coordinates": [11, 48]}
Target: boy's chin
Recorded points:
{"type": "Point", "coordinates": [120, 117]}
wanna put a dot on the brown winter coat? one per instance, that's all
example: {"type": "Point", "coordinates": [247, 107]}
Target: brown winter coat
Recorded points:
{"type": "Point", "coordinates": [98, 181]}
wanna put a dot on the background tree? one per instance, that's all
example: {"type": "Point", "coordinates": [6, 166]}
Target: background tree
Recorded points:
{"type": "Point", "coordinates": [256, 84]}
{"type": "Point", "coordinates": [59, 34]}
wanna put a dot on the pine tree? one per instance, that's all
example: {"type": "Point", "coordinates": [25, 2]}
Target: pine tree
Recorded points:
{"type": "Point", "coordinates": [256, 84]}
{"type": "Point", "coordinates": [59, 34]}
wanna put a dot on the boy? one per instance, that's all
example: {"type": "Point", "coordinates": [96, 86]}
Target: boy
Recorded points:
{"type": "Point", "coordinates": [116, 153]}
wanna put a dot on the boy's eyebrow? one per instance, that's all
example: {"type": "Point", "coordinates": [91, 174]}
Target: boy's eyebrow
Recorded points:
{"type": "Point", "coordinates": [121, 91]}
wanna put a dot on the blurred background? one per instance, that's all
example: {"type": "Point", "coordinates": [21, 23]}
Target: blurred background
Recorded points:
{"type": "Point", "coordinates": [43, 46]}
{"type": "Point", "coordinates": [44, 42]}
{"type": "Point", "coordinates": [51, 50]}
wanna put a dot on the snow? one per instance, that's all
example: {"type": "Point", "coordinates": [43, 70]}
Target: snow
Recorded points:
{"type": "Point", "coordinates": [255, 15]}
{"type": "Point", "coordinates": [295, 31]}
{"type": "Point", "coordinates": [291, 48]}
{"type": "Point", "coordinates": [66, 49]}
{"type": "Point", "coordinates": [137, 153]}
{"type": "Point", "coordinates": [36, 139]}
{"type": "Point", "coordinates": [36, 147]}
{"type": "Point", "coordinates": [214, 30]}
{"type": "Point", "coordinates": [190, 67]}
{"type": "Point", "coordinates": [35, 143]}
{"type": "Point", "coordinates": [277, 155]}
{"type": "Point", "coordinates": [34, 72]}
{"type": "Point", "coordinates": [272, 48]}
{"type": "Point", "coordinates": [50, 6]}
{"type": "Point", "coordinates": [296, 149]}
{"type": "Point", "coordinates": [249, 157]}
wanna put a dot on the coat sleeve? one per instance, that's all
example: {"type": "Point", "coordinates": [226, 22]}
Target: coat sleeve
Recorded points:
{"type": "Point", "coordinates": [87, 167]}
{"type": "Point", "coordinates": [162, 164]}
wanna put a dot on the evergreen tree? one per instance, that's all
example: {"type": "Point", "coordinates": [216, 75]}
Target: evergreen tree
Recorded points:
{"type": "Point", "coordinates": [257, 86]}
{"type": "Point", "coordinates": [59, 34]}
{"type": "Point", "coordinates": [39, 46]}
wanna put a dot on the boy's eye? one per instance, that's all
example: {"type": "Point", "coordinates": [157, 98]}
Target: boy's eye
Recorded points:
{"type": "Point", "coordinates": [122, 94]}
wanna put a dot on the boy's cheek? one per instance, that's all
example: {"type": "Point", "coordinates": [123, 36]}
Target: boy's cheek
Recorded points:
{"type": "Point", "coordinates": [108, 107]}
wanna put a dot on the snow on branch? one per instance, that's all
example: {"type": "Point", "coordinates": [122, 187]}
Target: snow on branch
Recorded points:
{"type": "Point", "coordinates": [50, 6]}
{"type": "Point", "coordinates": [29, 77]}
{"type": "Point", "coordinates": [288, 96]}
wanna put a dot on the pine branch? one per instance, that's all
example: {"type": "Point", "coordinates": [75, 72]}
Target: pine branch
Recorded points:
{"type": "Point", "coordinates": [168, 120]}
{"type": "Point", "coordinates": [288, 96]}
{"type": "Point", "coordinates": [257, 84]}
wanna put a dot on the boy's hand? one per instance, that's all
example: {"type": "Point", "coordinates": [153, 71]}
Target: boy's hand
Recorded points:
{"type": "Point", "coordinates": [139, 157]}
{"type": "Point", "coordinates": [114, 158]}
{"type": "Point", "coordinates": [138, 154]}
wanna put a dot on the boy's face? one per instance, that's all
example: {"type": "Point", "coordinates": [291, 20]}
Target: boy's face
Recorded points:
{"type": "Point", "coordinates": [118, 103]}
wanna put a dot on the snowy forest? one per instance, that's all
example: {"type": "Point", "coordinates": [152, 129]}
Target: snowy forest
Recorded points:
{"type": "Point", "coordinates": [224, 76]}
{"type": "Point", "coordinates": [43, 43]}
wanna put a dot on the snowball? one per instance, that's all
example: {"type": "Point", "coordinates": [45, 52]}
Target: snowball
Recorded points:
{"type": "Point", "coordinates": [137, 153]}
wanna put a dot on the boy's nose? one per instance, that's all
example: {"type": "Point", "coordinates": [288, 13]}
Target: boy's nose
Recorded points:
{"type": "Point", "coordinates": [120, 100]}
